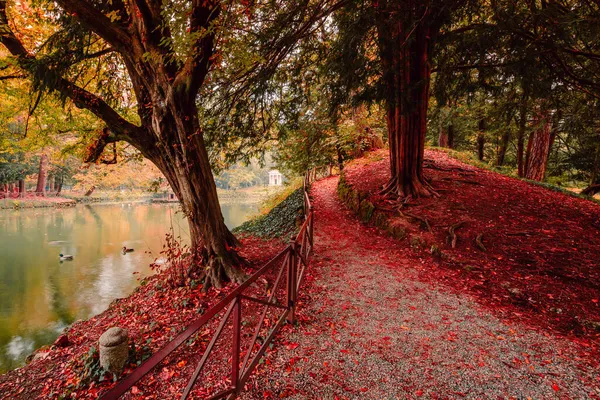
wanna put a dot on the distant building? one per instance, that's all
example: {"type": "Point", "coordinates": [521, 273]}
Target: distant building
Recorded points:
{"type": "Point", "coordinates": [275, 178]}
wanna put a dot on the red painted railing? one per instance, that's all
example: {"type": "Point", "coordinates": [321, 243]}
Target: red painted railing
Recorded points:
{"type": "Point", "coordinates": [279, 306]}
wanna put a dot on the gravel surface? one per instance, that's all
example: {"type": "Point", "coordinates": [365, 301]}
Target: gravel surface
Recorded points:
{"type": "Point", "coordinates": [375, 327]}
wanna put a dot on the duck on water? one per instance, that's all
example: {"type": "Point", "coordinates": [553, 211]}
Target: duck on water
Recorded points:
{"type": "Point", "coordinates": [65, 257]}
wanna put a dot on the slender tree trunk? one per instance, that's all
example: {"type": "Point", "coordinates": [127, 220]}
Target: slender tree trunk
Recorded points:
{"type": "Point", "coordinates": [451, 136]}
{"type": "Point", "coordinates": [594, 186]}
{"type": "Point", "coordinates": [538, 150]}
{"type": "Point", "coordinates": [481, 140]}
{"type": "Point", "coordinates": [521, 133]}
{"type": "Point", "coordinates": [340, 157]}
{"type": "Point", "coordinates": [443, 138]}
{"type": "Point", "coordinates": [42, 174]}
{"type": "Point", "coordinates": [504, 140]}
{"type": "Point", "coordinates": [60, 185]}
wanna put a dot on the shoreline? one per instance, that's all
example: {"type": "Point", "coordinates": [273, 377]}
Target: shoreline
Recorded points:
{"type": "Point", "coordinates": [243, 196]}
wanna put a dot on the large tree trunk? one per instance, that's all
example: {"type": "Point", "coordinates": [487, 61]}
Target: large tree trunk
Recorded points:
{"type": "Point", "coordinates": [538, 150]}
{"type": "Point", "coordinates": [166, 93]}
{"type": "Point", "coordinates": [42, 174]}
{"type": "Point", "coordinates": [190, 176]}
{"type": "Point", "coordinates": [407, 72]}
{"type": "Point", "coordinates": [22, 187]}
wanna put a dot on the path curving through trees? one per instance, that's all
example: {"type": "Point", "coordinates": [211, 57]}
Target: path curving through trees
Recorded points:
{"type": "Point", "coordinates": [376, 327]}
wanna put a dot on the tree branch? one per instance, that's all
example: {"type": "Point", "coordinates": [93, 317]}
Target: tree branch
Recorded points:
{"type": "Point", "coordinates": [98, 23]}
{"type": "Point", "coordinates": [94, 152]}
{"type": "Point", "coordinates": [478, 66]}
{"type": "Point", "coordinates": [154, 30]}
{"type": "Point", "coordinates": [202, 23]}
{"type": "Point", "coordinates": [81, 97]}
{"type": "Point", "coordinates": [466, 28]}
{"type": "Point", "coordinates": [7, 77]}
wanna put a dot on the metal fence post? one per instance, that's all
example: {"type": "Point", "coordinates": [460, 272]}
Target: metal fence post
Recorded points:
{"type": "Point", "coordinates": [235, 356]}
{"type": "Point", "coordinates": [291, 282]}
{"type": "Point", "coordinates": [311, 238]}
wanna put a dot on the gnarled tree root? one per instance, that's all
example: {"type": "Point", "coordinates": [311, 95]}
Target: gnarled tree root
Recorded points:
{"type": "Point", "coordinates": [405, 192]}
{"type": "Point", "coordinates": [223, 269]}
{"type": "Point", "coordinates": [479, 242]}
{"type": "Point", "coordinates": [452, 237]}
{"type": "Point", "coordinates": [591, 190]}
{"type": "Point", "coordinates": [424, 222]}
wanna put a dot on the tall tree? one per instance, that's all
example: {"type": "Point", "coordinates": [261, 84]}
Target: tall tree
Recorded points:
{"type": "Point", "coordinates": [169, 133]}
{"type": "Point", "coordinates": [406, 33]}
{"type": "Point", "coordinates": [383, 52]}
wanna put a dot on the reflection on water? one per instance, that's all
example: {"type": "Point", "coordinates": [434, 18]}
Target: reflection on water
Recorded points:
{"type": "Point", "coordinates": [40, 295]}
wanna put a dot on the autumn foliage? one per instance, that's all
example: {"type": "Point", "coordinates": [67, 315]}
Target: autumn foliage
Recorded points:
{"type": "Point", "coordinates": [525, 251]}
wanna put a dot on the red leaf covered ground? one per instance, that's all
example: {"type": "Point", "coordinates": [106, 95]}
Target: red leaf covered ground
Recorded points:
{"type": "Point", "coordinates": [387, 321]}
{"type": "Point", "coordinates": [542, 258]}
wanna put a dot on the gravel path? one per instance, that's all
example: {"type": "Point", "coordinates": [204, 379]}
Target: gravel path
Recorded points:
{"type": "Point", "coordinates": [376, 328]}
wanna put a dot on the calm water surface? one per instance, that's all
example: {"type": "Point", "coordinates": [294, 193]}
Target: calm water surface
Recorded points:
{"type": "Point", "coordinates": [40, 295]}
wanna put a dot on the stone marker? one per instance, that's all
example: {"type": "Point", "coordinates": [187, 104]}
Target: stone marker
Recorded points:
{"type": "Point", "coordinates": [114, 349]}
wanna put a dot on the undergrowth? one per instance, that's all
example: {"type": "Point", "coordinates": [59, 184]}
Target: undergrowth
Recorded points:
{"type": "Point", "coordinates": [280, 215]}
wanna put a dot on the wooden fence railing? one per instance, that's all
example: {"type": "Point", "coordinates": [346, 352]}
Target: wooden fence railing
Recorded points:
{"type": "Point", "coordinates": [251, 331]}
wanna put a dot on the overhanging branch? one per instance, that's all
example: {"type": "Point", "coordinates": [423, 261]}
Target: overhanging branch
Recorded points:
{"type": "Point", "coordinates": [81, 97]}
{"type": "Point", "coordinates": [96, 149]}
{"type": "Point", "coordinates": [98, 23]}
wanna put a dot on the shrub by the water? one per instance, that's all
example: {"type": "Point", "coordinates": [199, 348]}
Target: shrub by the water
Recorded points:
{"type": "Point", "coordinates": [281, 220]}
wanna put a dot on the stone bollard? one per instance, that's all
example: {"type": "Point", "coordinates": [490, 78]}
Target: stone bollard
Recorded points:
{"type": "Point", "coordinates": [114, 349]}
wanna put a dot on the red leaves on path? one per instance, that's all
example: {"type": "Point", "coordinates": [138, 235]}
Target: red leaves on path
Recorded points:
{"type": "Point", "coordinates": [383, 320]}
{"type": "Point", "coordinates": [541, 262]}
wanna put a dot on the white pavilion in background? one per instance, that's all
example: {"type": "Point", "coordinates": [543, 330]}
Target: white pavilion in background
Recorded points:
{"type": "Point", "coordinates": [275, 178]}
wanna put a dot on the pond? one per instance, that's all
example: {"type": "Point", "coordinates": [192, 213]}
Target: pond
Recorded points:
{"type": "Point", "coordinates": [40, 295]}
